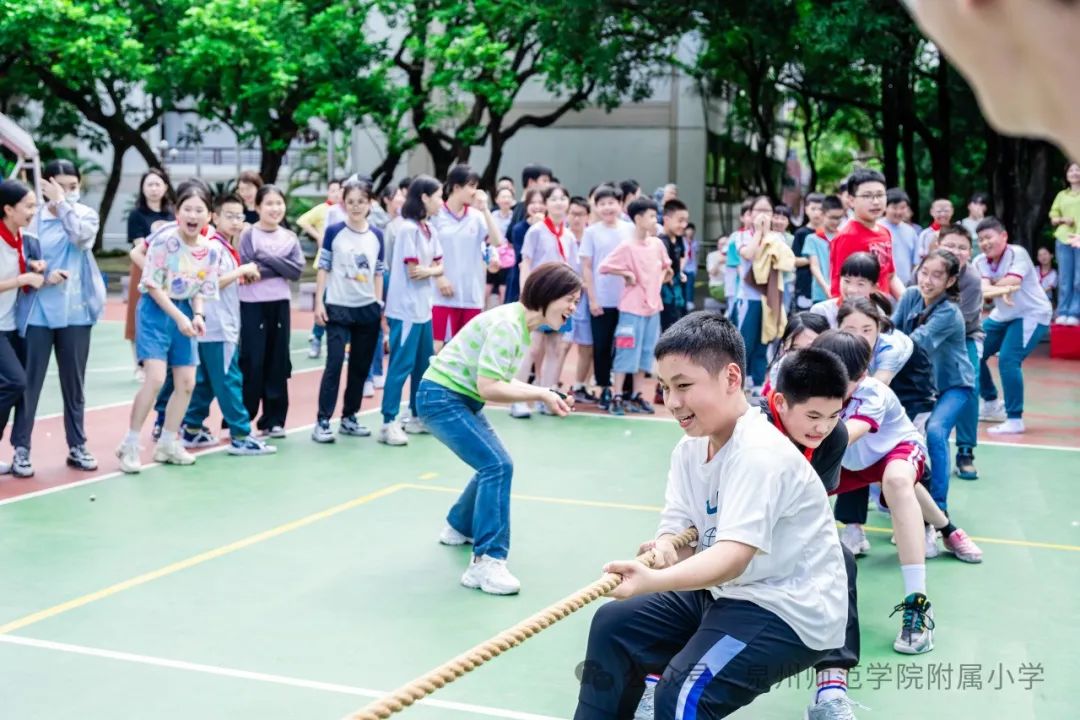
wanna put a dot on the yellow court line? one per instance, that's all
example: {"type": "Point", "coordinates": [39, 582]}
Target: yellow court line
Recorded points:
{"type": "Point", "coordinates": [653, 508]}
{"type": "Point", "coordinates": [194, 560]}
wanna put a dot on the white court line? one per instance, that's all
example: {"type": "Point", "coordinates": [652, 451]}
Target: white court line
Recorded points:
{"type": "Point", "coordinates": [259, 677]}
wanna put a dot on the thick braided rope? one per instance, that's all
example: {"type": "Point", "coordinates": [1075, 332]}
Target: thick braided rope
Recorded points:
{"type": "Point", "coordinates": [471, 659]}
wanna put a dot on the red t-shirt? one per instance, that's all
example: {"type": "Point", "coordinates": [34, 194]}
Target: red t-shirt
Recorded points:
{"type": "Point", "coordinates": [856, 237]}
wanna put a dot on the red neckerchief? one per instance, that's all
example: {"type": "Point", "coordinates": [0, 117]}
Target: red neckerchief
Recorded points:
{"type": "Point", "coordinates": [808, 453]}
{"type": "Point", "coordinates": [558, 235]}
{"type": "Point", "coordinates": [15, 241]}
{"type": "Point", "coordinates": [820, 232]}
{"type": "Point", "coordinates": [228, 246]}
{"type": "Point", "coordinates": [459, 218]}
{"type": "Point", "coordinates": [329, 202]}
{"type": "Point", "coordinates": [935, 226]}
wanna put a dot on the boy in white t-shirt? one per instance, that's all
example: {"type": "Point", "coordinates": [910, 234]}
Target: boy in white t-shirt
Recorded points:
{"type": "Point", "coordinates": [764, 595]}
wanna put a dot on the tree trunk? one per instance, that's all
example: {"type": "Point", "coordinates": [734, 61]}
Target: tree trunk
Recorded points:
{"type": "Point", "coordinates": [890, 125]}
{"type": "Point", "coordinates": [116, 172]}
{"type": "Point", "coordinates": [941, 149]}
{"type": "Point", "coordinates": [1021, 189]}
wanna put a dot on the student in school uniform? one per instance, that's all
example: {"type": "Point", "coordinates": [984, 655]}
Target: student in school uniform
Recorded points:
{"type": "Point", "coordinates": [763, 595]}
{"type": "Point", "coordinates": [904, 238]}
{"type": "Point", "coordinates": [314, 222]}
{"type": "Point", "coordinates": [941, 214]}
{"type": "Point", "coordinates": [644, 265]}
{"type": "Point", "coordinates": [603, 291]}
{"type": "Point", "coordinates": [351, 269]}
{"type": "Point", "coordinates": [469, 236]}
{"type": "Point", "coordinates": [180, 274]}
{"type": "Point", "coordinates": [17, 207]}
{"type": "Point", "coordinates": [749, 310]}
{"type": "Point", "coordinates": [862, 233]}
{"type": "Point", "coordinates": [417, 259]}
{"type": "Point", "coordinates": [803, 279]}
{"type": "Point", "coordinates": [265, 311]}
{"type": "Point", "coordinates": [1019, 321]}
{"type": "Point", "coordinates": [581, 326]}
{"type": "Point", "coordinates": [816, 247]}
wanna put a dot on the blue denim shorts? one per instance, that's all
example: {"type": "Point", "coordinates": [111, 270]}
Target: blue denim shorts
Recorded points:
{"type": "Point", "coordinates": [158, 337]}
{"type": "Point", "coordinates": [635, 342]}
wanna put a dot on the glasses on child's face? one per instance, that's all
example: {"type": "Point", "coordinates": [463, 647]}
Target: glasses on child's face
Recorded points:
{"type": "Point", "coordinates": [872, 197]}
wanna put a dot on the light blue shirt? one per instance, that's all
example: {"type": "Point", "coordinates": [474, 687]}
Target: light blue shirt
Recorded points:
{"type": "Point", "coordinates": [905, 241]}
{"type": "Point", "coordinates": [63, 240]}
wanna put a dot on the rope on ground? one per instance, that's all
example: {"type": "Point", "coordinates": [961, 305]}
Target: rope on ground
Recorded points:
{"type": "Point", "coordinates": [471, 659]}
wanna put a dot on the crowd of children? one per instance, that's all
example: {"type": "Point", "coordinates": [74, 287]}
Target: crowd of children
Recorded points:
{"type": "Point", "coordinates": [884, 355]}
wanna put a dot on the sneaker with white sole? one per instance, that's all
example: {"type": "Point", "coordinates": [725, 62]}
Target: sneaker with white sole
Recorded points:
{"type": "Point", "coordinates": [932, 549]}
{"type": "Point", "coordinates": [963, 547]}
{"type": "Point", "coordinates": [490, 576]}
{"type": "Point", "coordinates": [250, 445]}
{"type": "Point", "coordinates": [520, 410]}
{"type": "Point", "coordinates": [1012, 426]}
{"type": "Point", "coordinates": [369, 389]}
{"type": "Point", "coordinates": [450, 536]}
{"type": "Point", "coordinates": [391, 433]}
{"type": "Point", "coordinates": [415, 426]}
{"type": "Point", "coordinates": [277, 431]}
{"type": "Point", "coordinates": [21, 465]}
{"type": "Point", "coordinates": [130, 462]}
{"type": "Point", "coordinates": [198, 437]}
{"type": "Point", "coordinates": [351, 426]}
{"type": "Point", "coordinates": [916, 634]}
{"type": "Point", "coordinates": [80, 458]}
{"type": "Point", "coordinates": [322, 432]}
{"type": "Point", "coordinates": [841, 708]}
{"type": "Point", "coordinates": [379, 381]}
{"type": "Point", "coordinates": [314, 347]}
{"type": "Point", "coordinates": [853, 537]}
{"type": "Point", "coordinates": [992, 411]}
{"type": "Point", "coordinates": [173, 454]}
{"type": "Point", "coordinates": [646, 709]}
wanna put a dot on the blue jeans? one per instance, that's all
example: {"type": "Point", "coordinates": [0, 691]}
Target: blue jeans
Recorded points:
{"type": "Point", "coordinates": [749, 318]}
{"type": "Point", "coordinates": [967, 427]}
{"type": "Point", "coordinates": [410, 352]}
{"type": "Point", "coordinates": [1008, 339]}
{"type": "Point", "coordinates": [938, 428]}
{"type": "Point", "coordinates": [215, 380]}
{"type": "Point", "coordinates": [688, 288]}
{"type": "Point", "coordinates": [1068, 259]}
{"type": "Point", "coordinates": [482, 512]}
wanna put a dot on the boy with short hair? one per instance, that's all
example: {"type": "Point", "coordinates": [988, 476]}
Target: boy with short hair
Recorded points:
{"type": "Point", "coordinates": [760, 599]}
{"type": "Point", "coordinates": [218, 375]}
{"type": "Point", "coordinates": [955, 239]}
{"type": "Point", "coordinates": [603, 291]}
{"type": "Point", "coordinates": [803, 279]}
{"type": "Point", "coordinates": [675, 220]}
{"type": "Point", "coordinates": [533, 175]}
{"type": "Point", "coordinates": [941, 214]}
{"type": "Point", "coordinates": [884, 447]}
{"type": "Point", "coordinates": [817, 245]}
{"type": "Point", "coordinates": [1019, 321]}
{"type": "Point", "coordinates": [904, 237]}
{"type": "Point", "coordinates": [861, 234]}
{"type": "Point", "coordinates": [977, 208]}
{"type": "Point", "coordinates": [644, 265]}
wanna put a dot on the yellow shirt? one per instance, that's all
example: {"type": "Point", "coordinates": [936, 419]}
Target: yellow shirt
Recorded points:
{"type": "Point", "coordinates": [1066, 205]}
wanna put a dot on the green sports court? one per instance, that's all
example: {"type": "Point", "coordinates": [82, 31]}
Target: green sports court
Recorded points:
{"type": "Point", "coordinates": [303, 585]}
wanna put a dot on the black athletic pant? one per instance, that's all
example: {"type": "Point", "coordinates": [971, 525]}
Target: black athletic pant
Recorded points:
{"type": "Point", "coordinates": [716, 656]}
{"type": "Point", "coordinates": [265, 361]}
{"type": "Point", "coordinates": [358, 328]}
{"type": "Point", "coordinates": [846, 657]}
{"type": "Point", "coordinates": [603, 331]}
{"type": "Point", "coordinates": [72, 348]}
{"type": "Point", "coordinates": [12, 375]}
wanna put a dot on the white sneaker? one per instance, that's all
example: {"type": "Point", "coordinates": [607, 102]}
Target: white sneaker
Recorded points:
{"type": "Point", "coordinates": [491, 576]}
{"type": "Point", "coordinates": [415, 426]}
{"type": "Point", "coordinates": [392, 434]}
{"type": "Point", "coordinates": [173, 454]}
{"type": "Point", "coordinates": [129, 458]}
{"type": "Point", "coordinates": [520, 410]}
{"type": "Point", "coordinates": [140, 375]}
{"type": "Point", "coordinates": [932, 549]}
{"type": "Point", "coordinates": [369, 389]}
{"type": "Point", "coordinates": [450, 536]}
{"type": "Point", "coordinates": [1012, 426]}
{"type": "Point", "coordinates": [992, 411]}
{"type": "Point", "coordinates": [853, 537]}
{"type": "Point", "coordinates": [380, 382]}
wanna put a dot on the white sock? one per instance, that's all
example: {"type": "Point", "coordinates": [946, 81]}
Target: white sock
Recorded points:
{"type": "Point", "coordinates": [914, 578]}
{"type": "Point", "coordinates": [831, 684]}
{"type": "Point", "coordinates": [132, 437]}
{"type": "Point", "coordinates": [168, 438]}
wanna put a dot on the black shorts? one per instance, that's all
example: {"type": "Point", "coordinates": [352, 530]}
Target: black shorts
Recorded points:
{"type": "Point", "coordinates": [497, 280]}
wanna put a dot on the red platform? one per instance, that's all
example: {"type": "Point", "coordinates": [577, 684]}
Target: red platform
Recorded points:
{"type": "Point", "coordinates": [1065, 342]}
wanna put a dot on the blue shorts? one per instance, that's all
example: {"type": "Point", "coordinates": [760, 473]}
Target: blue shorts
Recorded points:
{"type": "Point", "coordinates": [582, 331]}
{"type": "Point", "coordinates": [158, 337]}
{"type": "Point", "coordinates": [635, 341]}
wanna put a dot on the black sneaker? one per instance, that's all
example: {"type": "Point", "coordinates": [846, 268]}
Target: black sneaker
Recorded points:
{"type": "Point", "coordinates": [79, 457]}
{"type": "Point", "coordinates": [639, 404]}
{"type": "Point", "coordinates": [582, 395]}
{"type": "Point", "coordinates": [21, 465]}
{"type": "Point", "coordinates": [616, 406]}
{"type": "Point", "coordinates": [605, 399]}
{"type": "Point", "coordinates": [965, 467]}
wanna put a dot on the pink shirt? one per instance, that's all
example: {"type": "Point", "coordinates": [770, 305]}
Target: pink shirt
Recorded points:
{"type": "Point", "coordinates": [647, 260]}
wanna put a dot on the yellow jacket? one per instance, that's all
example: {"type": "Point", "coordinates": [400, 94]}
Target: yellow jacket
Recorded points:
{"type": "Point", "coordinates": [774, 258]}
